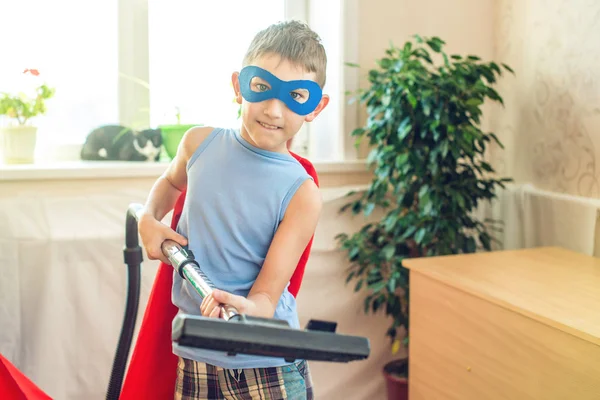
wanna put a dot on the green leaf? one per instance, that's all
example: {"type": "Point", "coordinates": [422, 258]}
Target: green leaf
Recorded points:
{"type": "Point", "coordinates": [404, 129]}
{"type": "Point", "coordinates": [390, 222]}
{"type": "Point", "coordinates": [385, 100]}
{"type": "Point", "coordinates": [444, 147]}
{"type": "Point", "coordinates": [377, 286]}
{"type": "Point", "coordinates": [471, 245]}
{"type": "Point", "coordinates": [435, 44]}
{"type": "Point", "coordinates": [411, 99]}
{"type": "Point", "coordinates": [376, 303]}
{"type": "Point", "coordinates": [385, 63]}
{"type": "Point", "coordinates": [426, 108]}
{"type": "Point", "coordinates": [358, 132]}
{"type": "Point", "coordinates": [509, 69]}
{"type": "Point", "coordinates": [350, 276]}
{"type": "Point", "coordinates": [420, 235]}
{"type": "Point", "coordinates": [388, 251]}
{"type": "Point", "coordinates": [369, 209]}
{"type": "Point", "coordinates": [391, 286]}
{"type": "Point", "coordinates": [373, 75]}
{"type": "Point", "coordinates": [458, 197]}
{"type": "Point", "coordinates": [367, 303]}
{"type": "Point", "coordinates": [373, 155]}
{"type": "Point", "coordinates": [408, 232]}
{"type": "Point", "coordinates": [486, 166]}
{"type": "Point", "coordinates": [498, 142]}
{"type": "Point", "coordinates": [358, 285]}
{"type": "Point", "coordinates": [474, 102]}
{"type": "Point", "coordinates": [401, 159]}
{"type": "Point", "coordinates": [484, 238]}
{"type": "Point", "coordinates": [353, 253]}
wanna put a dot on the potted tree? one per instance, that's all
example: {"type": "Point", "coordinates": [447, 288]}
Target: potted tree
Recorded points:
{"type": "Point", "coordinates": [19, 136]}
{"type": "Point", "coordinates": [429, 175]}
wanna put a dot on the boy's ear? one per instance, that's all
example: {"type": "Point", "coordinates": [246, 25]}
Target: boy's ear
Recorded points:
{"type": "Point", "coordinates": [322, 104]}
{"type": "Point", "coordinates": [235, 82]}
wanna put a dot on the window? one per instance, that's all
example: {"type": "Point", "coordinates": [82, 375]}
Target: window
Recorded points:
{"type": "Point", "coordinates": [75, 52]}
{"type": "Point", "coordinates": [209, 39]}
{"type": "Point", "coordinates": [142, 62]}
{"type": "Point", "coordinates": [194, 46]}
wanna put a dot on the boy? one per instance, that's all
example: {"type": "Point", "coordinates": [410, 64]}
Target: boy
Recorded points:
{"type": "Point", "coordinates": [249, 213]}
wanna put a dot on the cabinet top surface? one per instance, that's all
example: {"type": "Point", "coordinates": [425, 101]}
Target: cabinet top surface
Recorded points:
{"type": "Point", "coordinates": [555, 286]}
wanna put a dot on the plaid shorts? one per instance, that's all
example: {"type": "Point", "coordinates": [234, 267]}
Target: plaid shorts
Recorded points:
{"type": "Point", "coordinates": [196, 380]}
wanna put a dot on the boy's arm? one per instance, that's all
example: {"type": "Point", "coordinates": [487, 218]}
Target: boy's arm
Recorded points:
{"type": "Point", "coordinates": [164, 194]}
{"type": "Point", "coordinates": [290, 240]}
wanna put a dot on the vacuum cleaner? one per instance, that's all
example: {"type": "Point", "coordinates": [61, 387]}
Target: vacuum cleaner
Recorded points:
{"type": "Point", "coordinates": [234, 333]}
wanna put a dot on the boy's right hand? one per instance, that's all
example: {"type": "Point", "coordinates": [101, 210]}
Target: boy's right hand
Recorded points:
{"type": "Point", "coordinates": [153, 233]}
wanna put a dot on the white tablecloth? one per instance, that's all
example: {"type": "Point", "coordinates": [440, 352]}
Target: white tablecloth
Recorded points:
{"type": "Point", "coordinates": [62, 287]}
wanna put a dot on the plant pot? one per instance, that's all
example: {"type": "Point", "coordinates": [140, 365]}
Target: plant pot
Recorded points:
{"type": "Point", "coordinates": [395, 373]}
{"type": "Point", "coordinates": [171, 136]}
{"type": "Point", "coordinates": [18, 144]}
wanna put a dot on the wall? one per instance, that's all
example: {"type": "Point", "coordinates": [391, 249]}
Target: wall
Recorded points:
{"type": "Point", "coordinates": [465, 25]}
{"type": "Point", "coordinates": [551, 123]}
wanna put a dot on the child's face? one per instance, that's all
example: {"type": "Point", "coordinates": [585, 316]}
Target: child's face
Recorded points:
{"type": "Point", "coordinates": [269, 124]}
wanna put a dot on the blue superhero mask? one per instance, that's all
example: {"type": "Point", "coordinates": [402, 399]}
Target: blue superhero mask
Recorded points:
{"type": "Point", "coordinates": [282, 90]}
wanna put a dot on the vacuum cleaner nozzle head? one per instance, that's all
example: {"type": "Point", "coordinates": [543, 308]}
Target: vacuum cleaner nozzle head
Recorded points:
{"type": "Point", "coordinates": [266, 337]}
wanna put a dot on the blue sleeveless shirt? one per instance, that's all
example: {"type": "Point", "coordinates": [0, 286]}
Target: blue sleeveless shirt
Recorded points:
{"type": "Point", "coordinates": [236, 197]}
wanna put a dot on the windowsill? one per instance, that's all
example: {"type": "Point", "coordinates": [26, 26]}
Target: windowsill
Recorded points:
{"type": "Point", "coordinates": [118, 170]}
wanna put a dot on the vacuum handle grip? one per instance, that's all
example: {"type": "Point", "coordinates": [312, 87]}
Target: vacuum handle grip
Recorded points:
{"type": "Point", "coordinates": [184, 262]}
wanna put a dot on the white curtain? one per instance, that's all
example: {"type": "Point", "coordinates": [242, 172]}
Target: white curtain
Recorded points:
{"type": "Point", "coordinates": [534, 217]}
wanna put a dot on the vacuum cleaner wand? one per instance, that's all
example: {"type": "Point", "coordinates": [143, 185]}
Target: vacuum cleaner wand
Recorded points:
{"type": "Point", "coordinates": [238, 333]}
{"type": "Point", "coordinates": [183, 260]}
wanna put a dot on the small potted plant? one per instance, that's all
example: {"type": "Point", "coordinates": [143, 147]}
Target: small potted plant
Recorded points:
{"type": "Point", "coordinates": [172, 134]}
{"type": "Point", "coordinates": [429, 176]}
{"type": "Point", "coordinates": [19, 135]}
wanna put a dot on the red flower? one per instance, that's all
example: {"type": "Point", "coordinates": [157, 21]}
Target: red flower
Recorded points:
{"type": "Point", "coordinates": [33, 72]}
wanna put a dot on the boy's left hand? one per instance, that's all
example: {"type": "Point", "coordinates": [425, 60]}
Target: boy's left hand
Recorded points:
{"type": "Point", "coordinates": [211, 304]}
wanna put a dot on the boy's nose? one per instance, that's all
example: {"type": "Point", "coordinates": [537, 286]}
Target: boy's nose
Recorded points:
{"type": "Point", "coordinates": [274, 108]}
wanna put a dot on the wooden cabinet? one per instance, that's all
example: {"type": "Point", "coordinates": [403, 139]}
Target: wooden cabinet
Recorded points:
{"type": "Point", "coordinates": [512, 325]}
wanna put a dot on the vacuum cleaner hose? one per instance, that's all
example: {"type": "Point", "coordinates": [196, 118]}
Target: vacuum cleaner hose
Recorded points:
{"type": "Point", "coordinates": [133, 258]}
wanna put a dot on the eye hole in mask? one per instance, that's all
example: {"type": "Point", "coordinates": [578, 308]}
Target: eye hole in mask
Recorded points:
{"type": "Point", "coordinates": [300, 96]}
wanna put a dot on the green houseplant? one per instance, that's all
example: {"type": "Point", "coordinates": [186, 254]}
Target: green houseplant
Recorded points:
{"type": "Point", "coordinates": [19, 136]}
{"type": "Point", "coordinates": [172, 134]}
{"type": "Point", "coordinates": [429, 171]}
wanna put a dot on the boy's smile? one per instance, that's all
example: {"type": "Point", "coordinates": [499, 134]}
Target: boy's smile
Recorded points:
{"type": "Point", "coordinates": [269, 124]}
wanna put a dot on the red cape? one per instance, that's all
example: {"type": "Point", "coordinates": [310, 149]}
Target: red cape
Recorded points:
{"type": "Point", "coordinates": [153, 367]}
{"type": "Point", "coordinates": [16, 386]}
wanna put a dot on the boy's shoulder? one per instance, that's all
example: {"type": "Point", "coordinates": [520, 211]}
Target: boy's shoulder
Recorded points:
{"type": "Point", "coordinates": [193, 138]}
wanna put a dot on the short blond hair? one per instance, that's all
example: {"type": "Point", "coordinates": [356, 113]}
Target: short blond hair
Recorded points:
{"type": "Point", "coordinates": [293, 41]}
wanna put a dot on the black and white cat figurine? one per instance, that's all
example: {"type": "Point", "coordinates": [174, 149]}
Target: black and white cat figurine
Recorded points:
{"type": "Point", "coordinates": [119, 143]}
